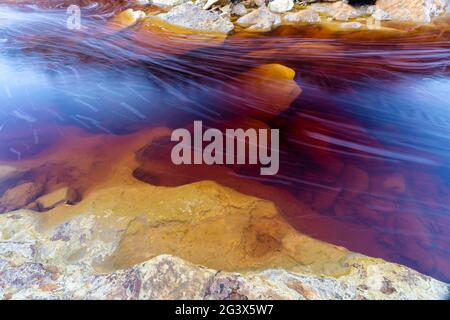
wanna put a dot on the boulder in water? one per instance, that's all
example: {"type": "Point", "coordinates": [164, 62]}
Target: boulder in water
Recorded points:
{"type": "Point", "coordinates": [191, 16]}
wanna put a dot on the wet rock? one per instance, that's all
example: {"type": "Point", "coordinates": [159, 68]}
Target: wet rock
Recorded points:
{"type": "Point", "coordinates": [351, 25]}
{"type": "Point", "coordinates": [239, 10]}
{"type": "Point", "coordinates": [190, 16]}
{"type": "Point", "coordinates": [314, 138]}
{"type": "Point", "coordinates": [7, 172]}
{"type": "Point", "coordinates": [210, 3]}
{"type": "Point", "coordinates": [19, 196]}
{"type": "Point", "coordinates": [126, 19]}
{"type": "Point", "coordinates": [259, 3]}
{"type": "Point", "coordinates": [339, 10]}
{"type": "Point", "coordinates": [168, 3]}
{"type": "Point", "coordinates": [142, 2]}
{"type": "Point", "coordinates": [410, 227]}
{"type": "Point", "coordinates": [281, 6]}
{"type": "Point", "coordinates": [356, 181]}
{"type": "Point", "coordinates": [168, 277]}
{"type": "Point", "coordinates": [381, 15]}
{"type": "Point", "coordinates": [57, 197]}
{"type": "Point", "coordinates": [409, 10]}
{"type": "Point", "coordinates": [302, 16]}
{"type": "Point", "coordinates": [164, 40]}
{"type": "Point", "coordinates": [265, 91]}
{"type": "Point", "coordinates": [260, 20]}
{"type": "Point", "coordinates": [382, 205]}
{"type": "Point", "coordinates": [109, 245]}
{"type": "Point", "coordinates": [325, 199]}
{"type": "Point", "coordinates": [366, 10]}
{"type": "Point", "coordinates": [394, 183]}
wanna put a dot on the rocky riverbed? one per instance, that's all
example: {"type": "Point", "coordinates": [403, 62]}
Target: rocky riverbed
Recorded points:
{"type": "Point", "coordinates": [92, 208]}
{"type": "Point", "coordinates": [226, 16]}
{"type": "Point", "coordinates": [113, 243]}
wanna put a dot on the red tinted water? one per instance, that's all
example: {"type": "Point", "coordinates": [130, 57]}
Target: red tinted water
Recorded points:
{"type": "Point", "coordinates": [366, 145]}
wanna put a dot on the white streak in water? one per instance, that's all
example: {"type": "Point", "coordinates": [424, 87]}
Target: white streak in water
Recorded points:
{"type": "Point", "coordinates": [36, 136]}
{"type": "Point", "coordinates": [16, 152]}
{"type": "Point", "coordinates": [24, 116]}
{"type": "Point", "coordinates": [133, 110]}
{"type": "Point", "coordinates": [8, 91]}
{"type": "Point", "coordinates": [86, 104]}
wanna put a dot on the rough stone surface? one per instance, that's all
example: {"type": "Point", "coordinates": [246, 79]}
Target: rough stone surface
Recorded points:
{"type": "Point", "coordinates": [114, 243]}
{"type": "Point", "coordinates": [239, 10]}
{"type": "Point", "coordinates": [168, 3]}
{"type": "Point", "coordinates": [351, 25]}
{"type": "Point", "coordinates": [303, 16]}
{"type": "Point", "coordinates": [338, 10]}
{"type": "Point", "coordinates": [19, 196]}
{"type": "Point", "coordinates": [281, 6]}
{"type": "Point", "coordinates": [190, 16]}
{"type": "Point", "coordinates": [168, 277]}
{"type": "Point", "coordinates": [261, 19]}
{"type": "Point", "coordinates": [410, 10]}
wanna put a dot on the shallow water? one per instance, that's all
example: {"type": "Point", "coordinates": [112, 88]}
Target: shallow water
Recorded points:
{"type": "Point", "coordinates": [366, 144]}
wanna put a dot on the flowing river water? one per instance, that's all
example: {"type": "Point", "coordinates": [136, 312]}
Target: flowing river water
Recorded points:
{"type": "Point", "coordinates": [366, 144]}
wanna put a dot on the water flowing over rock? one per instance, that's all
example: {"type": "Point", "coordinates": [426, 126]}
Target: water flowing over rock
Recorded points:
{"type": "Point", "coordinates": [126, 19]}
{"type": "Point", "coordinates": [106, 216]}
{"type": "Point", "coordinates": [123, 239]}
{"type": "Point", "coordinates": [270, 88]}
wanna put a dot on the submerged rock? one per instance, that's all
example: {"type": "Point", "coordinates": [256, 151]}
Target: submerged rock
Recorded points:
{"type": "Point", "coordinates": [265, 91]}
{"type": "Point", "coordinates": [190, 16]}
{"type": "Point", "coordinates": [8, 172]}
{"type": "Point", "coordinates": [126, 19]}
{"type": "Point", "coordinates": [57, 197]}
{"type": "Point", "coordinates": [109, 245]}
{"type": "Point", "coordinates": [19, 196]}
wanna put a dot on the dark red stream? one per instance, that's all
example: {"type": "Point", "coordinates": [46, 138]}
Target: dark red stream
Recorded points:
{"type": "Point", "coordinates": [367, 143]}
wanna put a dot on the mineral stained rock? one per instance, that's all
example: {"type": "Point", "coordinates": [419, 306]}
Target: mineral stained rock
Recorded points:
{"type": "Point", "coordinates": [19, 196]}
{"type": "Point", "coordinates": [121, 240]}
{"type": "Point", "coordinates": [265, 91]}
{"type": "Point", "coordinates": [60, 196]}
{"type": "Point", "coordinates": [126, 19]}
